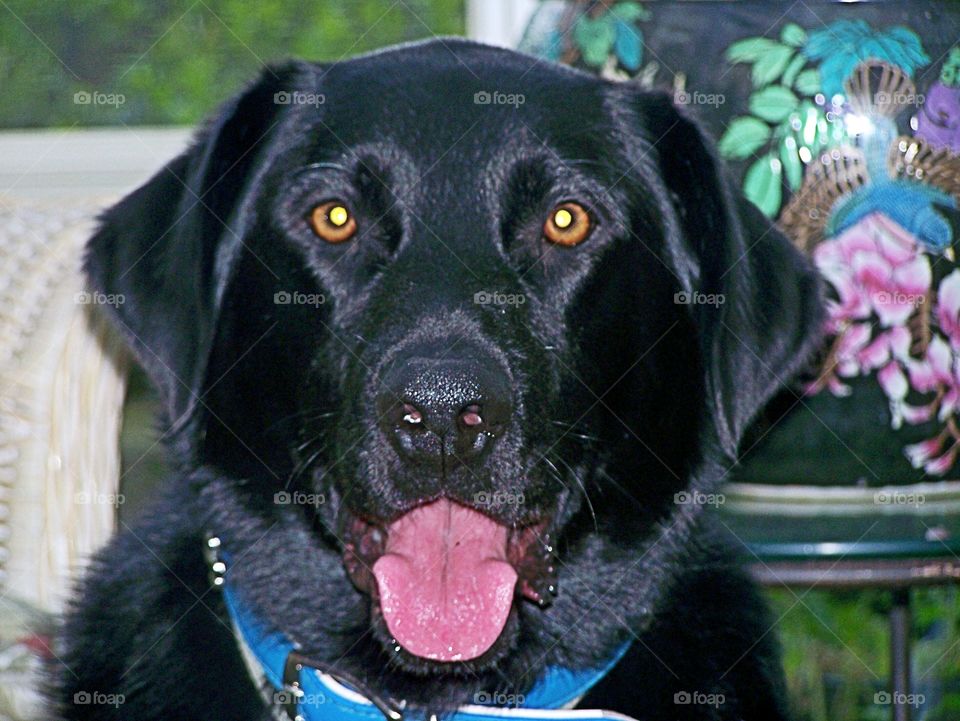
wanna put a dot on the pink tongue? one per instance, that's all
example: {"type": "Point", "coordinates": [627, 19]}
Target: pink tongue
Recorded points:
{"type": "Point", "coordinates": [446, 588]}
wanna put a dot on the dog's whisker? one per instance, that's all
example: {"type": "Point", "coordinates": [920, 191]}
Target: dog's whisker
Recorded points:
{"type": "Point", "coordinates": [303, 465]}
{"type": "Point", "coordinates": [583, 488]}
{"type": "Point", "coordinates": [305, 445]}
{"type": "Point", "coordinates": [307, 414]}
{"type": "Point", "coordinates": [569, 431]}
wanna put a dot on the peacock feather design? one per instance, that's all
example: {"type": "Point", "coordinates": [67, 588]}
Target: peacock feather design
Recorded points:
{"type": "Point", "coordinates": [898, 176]}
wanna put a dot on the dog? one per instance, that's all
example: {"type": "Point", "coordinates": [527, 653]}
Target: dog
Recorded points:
{"type": "Point", "coordinates": [450, 345]}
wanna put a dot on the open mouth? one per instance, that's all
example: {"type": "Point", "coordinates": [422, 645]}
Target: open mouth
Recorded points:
{"type": "Point", "coordinates": [446, 575]}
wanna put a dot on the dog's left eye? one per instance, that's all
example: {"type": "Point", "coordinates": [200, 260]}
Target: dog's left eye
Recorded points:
{"type": "Point", "coordinates": [333, 222]}
{"type": "Point", "coordinates": [568, 224]}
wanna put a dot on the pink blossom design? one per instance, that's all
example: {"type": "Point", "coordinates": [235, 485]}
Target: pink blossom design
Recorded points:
{"type": "Point", "coordinates": [876, 268]}
{"type": "Point", "coordinates": [948, 308]}
{"type": "Point", "coordinates": [881, 278]}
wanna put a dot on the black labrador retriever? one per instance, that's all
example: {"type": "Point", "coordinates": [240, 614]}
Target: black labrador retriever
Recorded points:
{"type": "Point", "coordinates": [453, 348]}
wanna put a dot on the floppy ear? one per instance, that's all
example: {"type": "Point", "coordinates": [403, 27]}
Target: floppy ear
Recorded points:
{"type": "Point", "coordinates": [165, 250]}
{"type": "Point", "coordinates": [769, 322]}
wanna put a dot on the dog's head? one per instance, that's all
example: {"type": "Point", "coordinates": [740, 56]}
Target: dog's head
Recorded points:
{"type": "Point", "coordinates": [494, 314]}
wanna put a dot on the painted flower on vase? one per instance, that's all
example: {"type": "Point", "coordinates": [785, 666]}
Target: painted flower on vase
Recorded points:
{"type": "Point", "coordinates": [938, 121]}
{"type": "Point", "coordinates": [876, 268]}
{"type": "Point", "coordinates": [844, 44]}
{"type": "Point", "coordinates": [883, 282]}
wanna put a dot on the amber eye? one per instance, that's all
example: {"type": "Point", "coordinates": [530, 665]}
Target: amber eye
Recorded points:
{"type": "Point", "coordinates": [333, 221]}
{"type": "Point", "coordinates": [567, 224]}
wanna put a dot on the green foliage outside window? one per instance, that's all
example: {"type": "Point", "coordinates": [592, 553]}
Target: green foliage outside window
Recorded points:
{"type": "Point", "coordinates": [93, 62]}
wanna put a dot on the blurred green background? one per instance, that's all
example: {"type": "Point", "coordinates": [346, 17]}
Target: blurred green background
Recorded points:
{"type": "Point", "coordinates": [172, 62]}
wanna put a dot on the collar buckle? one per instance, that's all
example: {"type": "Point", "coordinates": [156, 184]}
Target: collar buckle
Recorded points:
{"type": "Point", "coordinates": [293, 692]}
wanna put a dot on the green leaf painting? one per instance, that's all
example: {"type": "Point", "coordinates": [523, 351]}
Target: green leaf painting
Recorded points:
{"type": "Point", "coordinates": [792, 164]}
{"type": "Point", "coordinates": [763, 184]}
{"type": "Point", "coordinates": [750, 50]}
{"type": "Point", "coordinates": [595, 39]}
{"type": "Point", "coordinates": [613, 32]}
{"type": "Point", "coordinates": [773, 104]}
{"type": "Point", "coordinates": [743, 137]}
{"type": "Point", "coordinates": [630, 12]}
{"type": "Point", "coordinates": [793, 35]}
{"type": "Point", "coordinates": [788, 125]}
{"type": "Point", "coordinates": [771, 65]}
{"type": "Point", "coordinates": [808, 82]}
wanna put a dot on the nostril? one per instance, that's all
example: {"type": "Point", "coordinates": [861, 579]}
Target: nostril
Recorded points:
{"type": "Point", "coordinates": [470, 416]}
{"type": "Point", "coordinates": [412, 415]}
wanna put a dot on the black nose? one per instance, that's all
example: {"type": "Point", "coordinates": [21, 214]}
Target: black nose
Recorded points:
{"type": "Point", "coordinates": [442, 407]}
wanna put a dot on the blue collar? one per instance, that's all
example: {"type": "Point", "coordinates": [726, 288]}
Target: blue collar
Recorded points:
{"type": "Point", "coordinates": [308, 694]}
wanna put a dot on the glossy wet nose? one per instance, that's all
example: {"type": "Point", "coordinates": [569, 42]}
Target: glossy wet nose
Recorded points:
{"type": "Point", "coordinates": [442, 410]}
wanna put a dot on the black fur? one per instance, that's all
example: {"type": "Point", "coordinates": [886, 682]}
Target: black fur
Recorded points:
{"type": "Point", "coordinates": [623, 396]}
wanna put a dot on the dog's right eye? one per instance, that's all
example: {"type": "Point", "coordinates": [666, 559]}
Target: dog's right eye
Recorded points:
{"type": "Point", "coordinates": [568, 224]}
{"type": "Point", "coordinates": [333, 222]}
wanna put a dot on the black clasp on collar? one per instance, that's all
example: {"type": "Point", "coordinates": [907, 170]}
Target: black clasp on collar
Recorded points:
{"type": "Point", "coordinates": [295, 663]}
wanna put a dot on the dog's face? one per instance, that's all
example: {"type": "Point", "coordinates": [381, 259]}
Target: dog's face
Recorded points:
{"type": "Point", "coordinates": [445, 290]}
